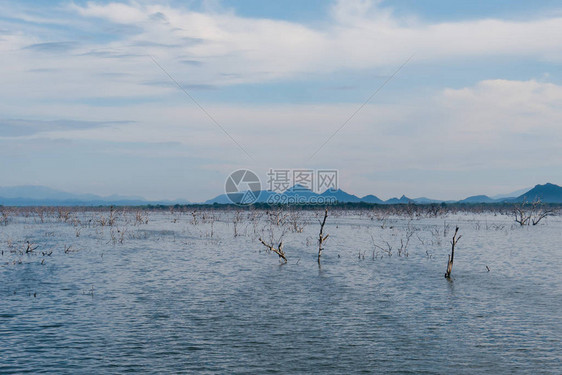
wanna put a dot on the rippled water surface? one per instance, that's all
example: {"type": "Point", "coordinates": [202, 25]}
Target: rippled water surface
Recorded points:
{"type": "Point", "coordinates": [181, 293]}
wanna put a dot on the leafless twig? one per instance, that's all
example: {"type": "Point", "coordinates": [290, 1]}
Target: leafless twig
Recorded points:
{"type": "Point", "coordinates": [321, 236]}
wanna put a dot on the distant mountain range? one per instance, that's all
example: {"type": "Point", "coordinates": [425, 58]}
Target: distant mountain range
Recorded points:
{"type": "Point", "coordinates": [31, 195]}
{"type": "Point", "coordinates": [301, 194]}
{"type": "Point", "coordinates": [44, 196]}
{"type": "Point", "coordinates": [548, 193]}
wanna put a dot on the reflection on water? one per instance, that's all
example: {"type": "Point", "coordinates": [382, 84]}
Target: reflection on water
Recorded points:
{"type": "Point", "coordinates": [183, 294]}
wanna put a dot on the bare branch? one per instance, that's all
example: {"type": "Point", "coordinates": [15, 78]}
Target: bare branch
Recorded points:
{"type": "Point", "coordinates": [278, 250]}
{"type": "Point", "coordinates": [321, 237]}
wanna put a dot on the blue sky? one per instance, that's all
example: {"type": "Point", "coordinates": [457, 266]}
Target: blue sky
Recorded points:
{"type": "Point", "coordinates": [477, 110]}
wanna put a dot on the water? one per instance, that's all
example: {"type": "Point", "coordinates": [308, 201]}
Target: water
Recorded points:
{"type": "Point", "coordinates": [185, 295]}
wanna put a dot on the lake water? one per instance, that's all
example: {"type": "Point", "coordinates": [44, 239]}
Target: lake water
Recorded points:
{"type": "Point", "coordinates": [183, 294]}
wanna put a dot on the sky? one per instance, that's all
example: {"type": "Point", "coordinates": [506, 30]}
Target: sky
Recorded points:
{"type": "Point", "coordinates": [164, 99]}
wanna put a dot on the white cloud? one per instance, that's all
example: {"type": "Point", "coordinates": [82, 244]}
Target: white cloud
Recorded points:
{"type": "Point", "coordinates": [361, 34]}
{"type": "Point", "coordinates": [497, 123]}
{"type": "Point", "coordinates": [231, 49]}
{"type": "Point", "coordinates": [131, 13]}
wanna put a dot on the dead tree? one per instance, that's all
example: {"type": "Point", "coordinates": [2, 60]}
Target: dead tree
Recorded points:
{"type": "Point", "coordinates": [522, 216]}
{"type": "Point", "coordinates": [321, 237]}
{"type": "Point", "coordinates": [452, 256]}
{"type": "Point", "coordinates": [295, 221]}
{"type": "Point", "coordinates": [539, 212]}
{"type": "Point", "coordinates": [387, 249]}
{"type": "Point", "coordinates": [541, 215]}
{"type": "Point", "coordinates": [30, 248]}
{"type": "Point", "coordinates": [403, 249]}
{"type": "Point", "coordinates": [533, 213]}
{"type": "Point", "coordinates": [278, 250]}
{"type": "Point", "coordinates": [237, 219]}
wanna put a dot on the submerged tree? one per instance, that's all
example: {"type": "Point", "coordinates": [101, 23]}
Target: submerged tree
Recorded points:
{"type": "Point", "coordinates": [530, 213]}
{"type": "Point", "coordinates": [321, 237]}
{"type": "Point", "coordinates": [539, 212]}
{"type": "Point", "coordinates": [452, 256]}
{"type": "Point", "coordinates": [279, 250]}
{"type": "Point", "coordinates": [277, 226]}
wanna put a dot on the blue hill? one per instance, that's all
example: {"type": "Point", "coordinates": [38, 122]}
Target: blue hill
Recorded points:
{"type": "Point", "coordinates": [372, 199]}
{"type": "Point", "coordinates": [402, 200]}
{"type": "Point", "coordinates": [33, 195]}
{"type": "Point", "coordinates": [478, 199]}
{"type": "Point", "coordinates": [547, 193]}
{"type": "Point", "coordinates": [341, 196]}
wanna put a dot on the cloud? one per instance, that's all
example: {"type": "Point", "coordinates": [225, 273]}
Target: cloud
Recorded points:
{"type": "Point", "coordinates": [10, 128]}
{"type": "Point", "coordinates": [52, 47]}
{"type": "Point", "coordinates": [220, 48]}
{"type": "Point", "coordinates": [185, 85]}
{"type": "Point", "coordinates": [501, 107]}
{"type": "Point", "coordinates": [495, 122]}
{"type": "Point", "coordinates": [191, 62]}
{"type": "Point", "coordinates": [361, 34]}
{"type": "Point", "coordinates": [116, 12]}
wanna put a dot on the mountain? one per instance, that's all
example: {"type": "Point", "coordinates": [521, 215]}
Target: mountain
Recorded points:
{"type": "Point", "coordinates": [263, 197]}
{"type": "Point", "coordinates": [547, 193]}
{"type": "Point", "coordinates": [33, 195]}
{"type": "Point", "coordinates": [219, 199]}
{"type": "Point", "coordinates": [35, 192]}
{"type": "Point", "coordinates": [341, 196]}
{"type": "Point", "coordinates": [403, 200]}
{"type": "Point", "coordinates": [478, 199]}
{"type": "Point", "coordinates": [299, 191]}
{"type": "Point", "coordinates": [294, 194]}
{"type": "Point", "coordinates": [372, 199]}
